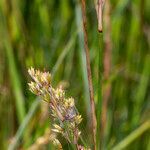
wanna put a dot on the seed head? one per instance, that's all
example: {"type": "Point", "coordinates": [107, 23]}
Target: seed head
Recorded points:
{"type": "Point", "coordinates": [65, 116]}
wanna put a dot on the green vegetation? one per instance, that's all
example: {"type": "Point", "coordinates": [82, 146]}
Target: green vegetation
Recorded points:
{"type": "Point", "coordinates": [48, 35]}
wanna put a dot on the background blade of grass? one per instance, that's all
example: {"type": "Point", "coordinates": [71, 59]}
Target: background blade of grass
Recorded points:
{"type": "Point", "coordinates": [20, 103]}
{"type": "Point", "coordinates": [15, 142]}
{"type": "Point", "coordinates": [131, 137]}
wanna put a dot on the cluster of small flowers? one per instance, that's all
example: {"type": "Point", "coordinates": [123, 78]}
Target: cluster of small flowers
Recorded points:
{"type": "Point", "coordinates": [63, 110]}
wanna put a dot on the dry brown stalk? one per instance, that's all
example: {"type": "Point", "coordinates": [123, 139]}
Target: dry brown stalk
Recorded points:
{"type": "Point", "coordinates": [45, 140]}
{"type": "Point", "coordinates": [99, 11]}
{"type": "Point", "coordinates": [93, 116]}
{"type": "Point", "coordinates": [99, 15]}
{"type": "Point", "coordinates": [41, 141]}
{"type": "Point", "coordinates": [107, 66]}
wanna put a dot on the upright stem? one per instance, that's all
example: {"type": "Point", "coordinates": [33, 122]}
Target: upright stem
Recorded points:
{"type": "Point", "coordinates": [107, 67]}
{"type": "Point", "coordinates": [93, 116]}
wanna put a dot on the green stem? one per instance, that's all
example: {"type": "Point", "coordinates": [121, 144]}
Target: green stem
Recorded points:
{"type": "Point", "coordinates": [99, 102]}
{"type": "Point", "coordinates": [133, 136]}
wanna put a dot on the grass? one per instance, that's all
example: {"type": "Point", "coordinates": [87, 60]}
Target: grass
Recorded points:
{"type": "Point", "coordinates": [48, 35]}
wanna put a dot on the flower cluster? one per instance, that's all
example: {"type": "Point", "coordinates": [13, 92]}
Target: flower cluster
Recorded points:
{"type": "Point", "coordinates": [63, 110]}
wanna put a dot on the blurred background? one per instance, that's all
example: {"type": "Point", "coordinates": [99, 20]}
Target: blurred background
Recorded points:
{"type": "Point", "coordinates": [48, 35]}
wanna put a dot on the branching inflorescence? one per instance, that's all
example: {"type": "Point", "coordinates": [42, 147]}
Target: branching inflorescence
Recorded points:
{"type": "Point", "coordinates": [65, 115]}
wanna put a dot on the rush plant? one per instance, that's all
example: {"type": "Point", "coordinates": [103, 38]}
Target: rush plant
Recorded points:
{"type": "Point", "coordinates": [66, 117]}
